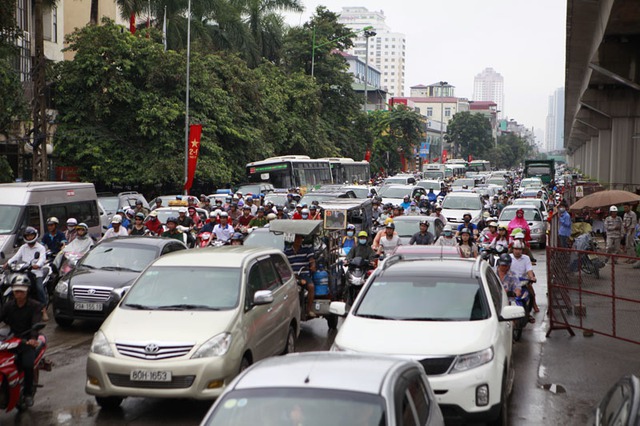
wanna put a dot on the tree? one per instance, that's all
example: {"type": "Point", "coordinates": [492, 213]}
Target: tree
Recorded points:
{"type": "Point", "coordinates": [470, 135]}
{"type": "Point", "coordinates": [9, 30]}
{"type": "Point", "coordinates": [510, 151]}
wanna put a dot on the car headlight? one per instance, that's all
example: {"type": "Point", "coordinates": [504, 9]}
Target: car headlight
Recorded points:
{"type": "Point", "coordinates": [536, 230]}
{"type": "Point", "coordinates": [472, 360]}
{"type": "Point", "coordinates": [62, 288]}
{"type": "Point", "coordinates": [100, 344]}
{"type": "Point", "coordinates": [216, 346]}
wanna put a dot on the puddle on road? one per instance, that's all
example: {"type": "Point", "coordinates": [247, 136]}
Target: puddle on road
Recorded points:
{"type": "Point", "coordinates": [71, 415]}
{"type": "Point", "coordinates": [541, 371]}
{"type": "Point", "coordinates": [554, 388]}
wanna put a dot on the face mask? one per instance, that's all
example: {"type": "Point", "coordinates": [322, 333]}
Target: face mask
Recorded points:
{"type": "Point", "coordinates": [304, 216]}
{"type": "Point", "coordinates": [362, 241]}
{"type": "Point", "coordinates": [349, 233]}
{"type": "Point", "coordinates": [448, 234]}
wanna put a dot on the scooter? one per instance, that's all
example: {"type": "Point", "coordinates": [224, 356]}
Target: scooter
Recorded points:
{"type": "Point", "coordinates": [19, 268]}
{"type": "Point", "coordinates": [358, 270]}
{"type": "Point", "coordinates": [521, 297]}
{"type": "Point", "coordinates": [204, 239]}
{"type": "Point", "coordinates": [321, 300]}
{"type": "Point", "coordinates": [11, 377]}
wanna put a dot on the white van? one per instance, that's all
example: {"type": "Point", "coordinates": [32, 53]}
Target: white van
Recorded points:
{"type": "Point", "coordinates": [31, 203]}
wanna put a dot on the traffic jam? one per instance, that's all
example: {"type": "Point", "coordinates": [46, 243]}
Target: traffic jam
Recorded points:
{"type": "Point", "coordinates": [386, 300]}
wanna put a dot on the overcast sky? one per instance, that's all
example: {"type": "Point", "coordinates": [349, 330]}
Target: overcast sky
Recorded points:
{"type": "Point", "coordinates": [453, 40]}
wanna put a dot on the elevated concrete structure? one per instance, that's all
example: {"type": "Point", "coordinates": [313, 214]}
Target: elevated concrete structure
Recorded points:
{"type": "Point", "coordinates": [602, 104]}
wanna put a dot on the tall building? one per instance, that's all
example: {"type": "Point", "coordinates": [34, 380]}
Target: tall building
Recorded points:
{"type": "Point", "coordinates": [489, 86]}
{"type": "Point", "coordinates": [386, 48]}
{"type": "Point", "coordinates": [554, 132]}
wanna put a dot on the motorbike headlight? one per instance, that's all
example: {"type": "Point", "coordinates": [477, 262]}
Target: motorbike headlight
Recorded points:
{"type": "Point", "coordinates": [472, 360]}
{"type": "Point", "coordinates": [62, 288]}
{"type": "Point", "coordinates": [216, 346]}
{"type": "Point", "coordinates": [100, 345]}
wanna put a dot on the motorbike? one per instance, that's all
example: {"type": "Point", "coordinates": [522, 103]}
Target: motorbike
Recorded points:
{"type": "Point", "coordinates": [522, 297]}
{"type": "Point", "coordinates": [321, 300]}
{"type": "Point", "coordinates": [358, 269]}
{"type": "Point", "coordinates": [11, 377]}
{"type": "Point", "coordinates": [20, 268]}
{"type": "Point", "coordinates": [590, 263]}
{"type": "Point", "coordinates": [204, 239]}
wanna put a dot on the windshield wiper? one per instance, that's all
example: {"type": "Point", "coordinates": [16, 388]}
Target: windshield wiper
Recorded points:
{"type": "Point", "coordinates": [374, 316]}
{"type": "Point", "coordinates": [138, 306]}
{"type": "Point", "coordinates": [88, 266]}
{"type": "Point", "coordinates": [118, 268]}
{"type": "Point", "coordinates": [187, 306]}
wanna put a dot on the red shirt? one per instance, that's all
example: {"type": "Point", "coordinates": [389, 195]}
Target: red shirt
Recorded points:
{"type": "Point", "coordinates": [244, 220]}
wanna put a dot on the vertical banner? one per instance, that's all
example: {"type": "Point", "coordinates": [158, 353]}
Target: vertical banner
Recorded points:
{"type": "Point", "coordinates": [195, 131]}
{"type": "Point", "coordinates": [367, 155]}
{"type": "Point", "coordinates": [444, 156]}
{"type": "Point", "coordinates": [132, 23]}
{"type": "Point", "coordinates": [470, 159]}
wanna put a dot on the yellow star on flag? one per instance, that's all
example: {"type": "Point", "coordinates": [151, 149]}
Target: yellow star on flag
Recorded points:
{"type": "Point", "coordinates": [195, 143]}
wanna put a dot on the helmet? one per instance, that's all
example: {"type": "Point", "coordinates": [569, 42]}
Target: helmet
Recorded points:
{"type": "Point", "coordinates": [71, 222]}
{"type": "Point", "coordinates": [153, 214]}
{"type": "Point", "coordinates": [237, 236]}
{"type": "Point", "coordinates": [173, 219]}
{"type": "Point", "coordinates": [53, 219]}
{"type": "Point", "coordinates": [465, 231]}
{"type": "Point", "coordinates": [518, 245]}
{"type": "Point", "coordinates": [313, 207]}
{"type": "Point", "coordinates": [246, 207]}
{"type": "Point", "coordinates": [140, 215]}
{"type": "Point", "coordinates": [390, 225]}
{"type": "Point", "coordinates": [30, 230]}
{"type": "Point", "coordinates": [280, 208]}
{"type": "Point", "coordinates": [138, 202]}
{"type": "Point", "coordinates": [261, 209]}
{"type": "Point", "coordinates": [304, 211]}
{"type": "Point", "coordinates": [20, 283]}
{"type": "Point", "coordinates": [519, 236]}
{"type": "Point", "coordinates": [466, 214]}
{"type": "Point", "coordinates": [502, 227]}
{"type": "Point", "coordinates": [493, 224]}
{"type": "Point", "coordinates": [82, 225]}
{"type": "Point", "coordinates": [182, 210]}
{"type": "Point", "coordinates": [447, 228]}
{"type": "Point", "coordinates": [159, 200]}
{"type": "Point", "coordinates": [271, 216]}
{"type": "Point", "coordinates": [224, 214]}
{"type": "Point", "coordinates": [363, 234]}
{"type": "Point", "coordinates": [116, 219]}
{"type": "Point", "coordinates": [130, 212]}
{"type": "Point", "coordinates": [613, 209]}
{"type": "Point", "coordinates": [191, 207]}
{"type": "Point", "coordinates": [424, 222]}
{"type": "Point", "coordinates": [388, 220]}
{"type": "Point", "coordinates": [351, 226]}
{"type": "Point", "coordinates": [406, 197]}
{"type": "Point", "coordinates": [504, 259]}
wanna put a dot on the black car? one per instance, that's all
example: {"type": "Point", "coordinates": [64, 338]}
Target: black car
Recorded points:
{"type": "Point", "coordinates": [96, 285]}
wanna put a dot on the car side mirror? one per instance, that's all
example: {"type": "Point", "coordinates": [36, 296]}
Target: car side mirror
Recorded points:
{"type": "Point", "coordinates": [262, 297]}
{"type": "Point", "coordinates": [510, 313]}
{"type": "Point", "coordinates": [121, 291]}
{"type": "Point", "coordinates": [338, 308]}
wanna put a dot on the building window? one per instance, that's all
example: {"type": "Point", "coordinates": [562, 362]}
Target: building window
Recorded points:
{"type": "Point", "coordinates": [429, 112]}
{"type": "Point", "coordinates": [447, 112]}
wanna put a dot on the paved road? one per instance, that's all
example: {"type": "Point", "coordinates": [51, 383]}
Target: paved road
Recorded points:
{"type": "Point", "coordinates": [62, 400]}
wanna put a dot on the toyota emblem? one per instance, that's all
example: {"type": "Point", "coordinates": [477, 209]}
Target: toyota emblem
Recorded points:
{"type": "Point", "coordinates": [151, 348]}
{"type": "Point", "coordinates": [91, 291]}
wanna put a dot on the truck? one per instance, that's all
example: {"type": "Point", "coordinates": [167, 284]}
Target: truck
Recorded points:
{"type": "Point", "coordinates": [544, 169]}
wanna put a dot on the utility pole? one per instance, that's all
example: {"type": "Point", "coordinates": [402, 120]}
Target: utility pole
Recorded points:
{"type": "Point", "coordinates": [367, 34]}
{"type": "Point", "coordinates": [40, 169]}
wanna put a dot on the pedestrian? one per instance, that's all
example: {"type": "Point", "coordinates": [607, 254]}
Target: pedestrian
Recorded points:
{"type": "Point", "coordinates": [564, 228]}
{"type": "Point", "coordinates": [613, 226]}
{"type": "Point", "coordinates": [629, 222]}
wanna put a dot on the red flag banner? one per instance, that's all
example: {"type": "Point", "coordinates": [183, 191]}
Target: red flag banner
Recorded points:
{"type": "Point", "coordinates": [367, 155]}
{"type": "Point", "coordinates": [195, 131]}
{"type": "Point", "coordinates": [470, 159]}
{"type": "Point", "coordinates": [444, 156]}
{"type": "Point", "coordinates": [132, 23]}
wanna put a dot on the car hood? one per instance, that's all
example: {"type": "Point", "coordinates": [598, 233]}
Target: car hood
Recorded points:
{"type": "Point", "coordinates": [456, 215]}
{"type": "Point", "coordinates": [102, 278]}
{"type": "Point", "coordinates": [132, 325]}
{"type": "Point", "coordinates": [430, 338]}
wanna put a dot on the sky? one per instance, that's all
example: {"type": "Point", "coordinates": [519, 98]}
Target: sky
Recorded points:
{"type": "Point", "coordinates": [453, 40]}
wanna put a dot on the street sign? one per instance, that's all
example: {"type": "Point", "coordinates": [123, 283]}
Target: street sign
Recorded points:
{"type": "Point", "coordinates": [424, 149]}
{"type": "Point", "coordinates": [579, 191]}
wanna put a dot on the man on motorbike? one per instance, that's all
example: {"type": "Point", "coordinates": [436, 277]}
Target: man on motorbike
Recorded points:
{"type": "Point", "coordinates": [431, 196]}
{"type": "Point", "coordinates": [303, 263]}
{"type": "Point", "coordinates": [158, 204]}
{"type": "Point", "coordinates": [390, 240]}
{"type": "Point", "coordinates": [245, 219]}
{"type": "Point", "coordinates": [173, 231]}
{"type": "Point", "coordinates": [362, 249]}
{"type": "Point", "coordinates": [280, 214]}
{"type": "Point", "coordinates": [223, 230]}
{"type": "Point", "coordinates": [70, 233]}
{"type": "Point", "coordinates": [489, 233]}
{"type": "Point", "coordinates": [139, 208]}
{"type": "Point", "coordinates": [447, 238]}
{"type": "Point", "coordinates": [78, 247]}
{"type": "Point", "coordinates": [27, 254]}
{"type": "Point", "coordinates": [438, 213]}
{"type": "Point", "coordinates": [260, 220]}
{"type": "Point", "coordinates": [21, 313]}
{"type": "Point", "coordinates": [522, 267]}
{"type": "Point", "coordinates": [234, 214]}
{"type": "Point", "coordinates": [314, 212]}
{"type": "Point", "coordinates": [508, 278]}
{"type": "Point", "coordinates": [195, 217]}
{"type": "Point", "coordinates": [237, 239]}
{"type": "Point", "coordinates": [406, 203]}
{"type": "Point", "coordinates": [413, 210]}
{"type": "Point", "coordinates": [376, 210]}
{"type": "Point", "coordinates": [467, 224]}
{"type": "Point", "coordinates": [153, 223]}
{"type": "Point", "coordinates": [116, 230]}
{"type": "Point", "coordinates": [423, 237]}
{"type": "Point", "coordinates": [54, 239]}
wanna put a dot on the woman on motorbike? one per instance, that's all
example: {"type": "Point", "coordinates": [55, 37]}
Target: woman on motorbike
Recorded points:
{"type": "Point", "coordinates": [467, 248]}
{"type": "Point", "coordinates": [520, 222]}
{"type": "Point", "coordinates": [501, 239]}
{"type": "Point", "coordinates": [138, 227]}
{"type": "Point", "coordinates": [349, 240]}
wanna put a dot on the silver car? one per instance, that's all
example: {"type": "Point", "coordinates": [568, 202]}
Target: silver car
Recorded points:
{"type": "Point", "coordinates": [328, 388]}
{"type": "Point", "coordinates": [534, 218]}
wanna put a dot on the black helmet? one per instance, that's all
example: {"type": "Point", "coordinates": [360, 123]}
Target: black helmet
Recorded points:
{"type": "Point", "coordinates": [140, 215]}
{"type": "Point", "coordinates": [30, 230]}
{"type": "Point", "coordinates": [173, 219]}
{"type": "Point", "coordinates": [20, 280]}
{"type": "Point", "coordinates": [465, 231]}
{"type": "Point", "coordinates": [505, 259]}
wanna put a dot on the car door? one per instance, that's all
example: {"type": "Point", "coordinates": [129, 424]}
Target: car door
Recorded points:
{"type": "Point", "coordinates": [257, 320]}
{"type": "Point", "coordinates": [499, 300]}
{"type": "Point", "coordinates": [277, 318]}
{"type": "Point", "coordinates": [288, 292]}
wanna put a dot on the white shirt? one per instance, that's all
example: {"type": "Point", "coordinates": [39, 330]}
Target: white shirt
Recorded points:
{"type": "Point", "coordinates": [521, 266]}
{"type": "Point", "coordinates": [389, 244]}
{"type": "Point", "coordinates": [223, 233]}
{"type": "Point", "coordinates": [122, 232]}
{"type": "Point", "coordinates": [446, 242]}
{"type": "Point", "coordinates": [27, 254]}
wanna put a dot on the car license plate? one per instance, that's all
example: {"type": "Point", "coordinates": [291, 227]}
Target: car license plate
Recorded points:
{"type": "Point", "coordinates": [80, 306]}
{"type": "Point", "coordinates": [150, 376]}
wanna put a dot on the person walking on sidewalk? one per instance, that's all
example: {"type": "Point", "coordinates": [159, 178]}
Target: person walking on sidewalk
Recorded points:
{"type": "Point", "coordinates": [629, 222]}
{"type": "Point", "coordinates": [613, 226]}
{"type": "Point", "coordinates": [564, 230]}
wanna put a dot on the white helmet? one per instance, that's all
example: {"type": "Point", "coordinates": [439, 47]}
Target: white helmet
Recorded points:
{"type": "Point", "coordinates": [613, 209]}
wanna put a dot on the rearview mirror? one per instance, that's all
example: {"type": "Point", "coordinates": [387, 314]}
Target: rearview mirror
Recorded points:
{"type": "Point", "coordinates": [120, 291]}
{"type": "Point", "coordinates": [338, 308]}
{"type": "Point", "coordinates": [263, 297]}
{"type": "Point", "coordinates": [510, 313]}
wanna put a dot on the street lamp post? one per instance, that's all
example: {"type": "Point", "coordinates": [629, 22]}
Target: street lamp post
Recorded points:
{"type": "Point", "coordinates": [442, 84]}
{"type": "Point", "coordinates": [313, 46]}
{"type": "Point", "coordinates": [186, 119]}
{"type": "Point", "coordinates": [367, 34]}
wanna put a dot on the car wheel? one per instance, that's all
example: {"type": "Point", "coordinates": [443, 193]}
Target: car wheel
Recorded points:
{"type": "Point", "coordinates": [290, 344]}
{"type": "Point", "coordinates": [109, 402]}
{"type": "Point", "coordinates": [245, 363]}
{"type": "Point", "coordinates": [64, 322]}
{"type": "Point", "coordinates": [503, 416]}
{"type": "Point", "coordinates": [332, 322]}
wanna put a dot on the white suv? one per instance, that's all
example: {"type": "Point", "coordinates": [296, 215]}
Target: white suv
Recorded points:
{"type": "Point", "coordinates": [456, 204]}
{"type": "Point", "coordinates": [453, 316]}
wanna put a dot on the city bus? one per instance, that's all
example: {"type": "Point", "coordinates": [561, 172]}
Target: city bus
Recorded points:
{"type": "Point", "coordinates": [346, 170]}
{"type": "Point", "coordinates": [479, 166]}
{"type": "Point", "coordinates": [291, 171]}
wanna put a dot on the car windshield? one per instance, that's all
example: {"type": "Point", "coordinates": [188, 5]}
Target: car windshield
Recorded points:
{"type": "Point", "coordinates": [400, 180]}
{"type": "Point", "coordinates": [164, 214]}
{"type": "Point", "coordinates": [113, 257]}
{"type": "Point", "coordinates": [260, 238]}
{"type": "Point", "coordinates": [461, 182]}
{"type": "Point", "coordinates": [110, 204]}
{"type": "Point", "coordinates": [433, 175]}
{"type": "Point", "coordinates": [497, 181]}
{"type": "Point", "coordinates": [531, 183]}
{"type": "Point", "coordinates": [251, 188]}
{"type": "Point", "coordinates": [185, 288]}
{"type": "Point", "coordinates": [394, 192]}
{"type": "Point", "coordinates": [461, 203]}
{"type": "Point", "coordinates": [8, 218]}
{"type": "Point", "coordinates": [406, 228]}
{"type": "Point", "coordinates": [361, 192]}
{"type": "Point", "coordinates": [424, 298]}
{"type": "Point", "coordinates": [429, 185]}
{"type": "Point", "coordinates": [529, 215]}
{"type": "Point", "coordinates": [276, 199]}
{"type": "Point", "coordinates": [529, 201]}
{"type": "Point", "coordinates": [311, 197]}
{"type": "Point", "coordinates": [296, 406]}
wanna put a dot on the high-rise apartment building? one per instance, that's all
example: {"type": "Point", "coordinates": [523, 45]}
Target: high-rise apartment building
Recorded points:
{"type": "Point", "coordinates": [386, 48]}
{"type": "Point", "coordinates": [489, 86]}
{"type": "Point", "coordinates": [554, 132]}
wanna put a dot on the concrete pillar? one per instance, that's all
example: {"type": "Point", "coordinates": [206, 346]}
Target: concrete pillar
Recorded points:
{"type": "Point", "coordinates": [635, 161]}
{"type": "Point", "coordinates": [621, 150]}
{"type": "Point", "coordinates": [593, 157]}
{"type": "Point", "coordinates": [587, 157]}
{"type": "Point", "coordinates": [603, 159]}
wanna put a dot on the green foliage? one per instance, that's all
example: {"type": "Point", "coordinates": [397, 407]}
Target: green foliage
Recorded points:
{"type": "Point", "coordinates": [13, 106]}
{"type": "Point", "coordinates": [9, 31]}
{"type": "Point", "coordinates": [6, 173]}
{"type": "Point", "coordinates": [470, 135]}
{"type": "Point", "coordinates": [511, 151]}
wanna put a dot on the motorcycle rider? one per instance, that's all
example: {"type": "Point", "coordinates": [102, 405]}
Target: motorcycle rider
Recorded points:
{"type": "Point", "coordinates": [300, 257]}
{"type": "Point", "coordinates": [158, 204]}
{"type": "Point", "coordinates": [195, 217]}
{"type": "Point", "coordinates": [431, 196]}
{"type": "Point", "coordinates": [522, 267]}
{"type": "Point", "coordinates": [153, 223]}
{"type": "Point", "coordinates": [237, 239]}
{"type": "Point", "coordinates": [502, 239]}
{"type": "Point", "coordinates": [484, 221]}
{"type": "Point", "coordinates": [314, 213]}
{"type": "Point", "coordinates": [280, 214]}
{"type": "Point", "coordinates": [406, 203]}
{"type": "Point", "coordinates": [423, 237]}
{"type": "Point", "coordinates": [508, 278]}
{"type": "Point", "coordinates": [81, 244]}
{"type": "Point", "coordinates": [54, 239]}
{"type": "Point", "coordinates": [390, 240]}
{"type": "Point", "coordinates": [260, 220]}
{"type": "Point", "coordinates": [413, 210]}
{"type": "Point", "coordinates": [184, 220]}
{"type": "Point", "coordinates": [234, 213]}
{"type": "Point", "coordinates": [139, 208]}
{"type": "Point", "coordinates": [129, 214]}
{"type": "Point", "coordinates": [446, 239]}
{"type": "Point", "coordinates": [489, 233]}
{"type": "Point", "coordinates": [438, 213]}
{"type": "Point", "coordinates": [468, 249]}
{"type": "Point", "coordinates": [246, 218]}
{"type": "Point", "coordinates": [466, 218]}
{"type": "Point", "coordinates": [21, 313]}
{"type": "Point", "coordinates": [376, 210]}
{"type": "Point", "coordinates": [223, 230]}
{"type": "Point", "coordinates": [70, 233]}
{"type": "Point", "coordinates": [173, 231]}
{"type": "Point", "coordinates": [304, 214]}
{"type": "Point", "coordinates": [116, 230]}
{"type": "Point", "coordinates": [27, 254]}
{"type": "Point", "coordinates": [138, 227]}
{"type": "Point", "coordinates": [297, 213]}
{"type": "Point", "coordinates": [349, 241]}
{"type": "Point", "coordinates": [362, 249]}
